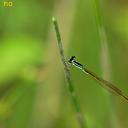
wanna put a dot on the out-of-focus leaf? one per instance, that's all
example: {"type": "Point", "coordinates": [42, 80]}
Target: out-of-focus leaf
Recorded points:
{"type": "Point", "coordinates": [17, 53]}
{"type": "Point", "coordinates": [21, 103]}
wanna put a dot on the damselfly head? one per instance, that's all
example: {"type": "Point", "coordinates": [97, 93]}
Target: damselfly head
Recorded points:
{"type": "Point", "coordinates": [71, 59]}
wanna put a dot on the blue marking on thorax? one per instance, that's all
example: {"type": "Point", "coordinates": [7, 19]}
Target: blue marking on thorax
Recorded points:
{"type": "Point", "coordinates": [77, 64]}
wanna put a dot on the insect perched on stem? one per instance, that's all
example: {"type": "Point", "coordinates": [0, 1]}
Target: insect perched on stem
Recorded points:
{"type": "Point", "coordinates": [71, 88]}
{"type": "Point", "coordinates": [102, 82]}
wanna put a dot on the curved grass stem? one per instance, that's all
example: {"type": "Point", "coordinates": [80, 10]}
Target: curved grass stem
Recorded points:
{"type": "Point", "coordinates": [71, 88]}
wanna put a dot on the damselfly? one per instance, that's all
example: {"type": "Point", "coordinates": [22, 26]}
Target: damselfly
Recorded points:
{"type": "Point", "coordinates": [102, 82]}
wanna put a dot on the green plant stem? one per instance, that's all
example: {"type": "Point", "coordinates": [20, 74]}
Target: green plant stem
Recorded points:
{"type": "Point", "coordinates": [104, 42]}
{"type": "Point", "coordinates": [98, 15]}
{"type": "Point", "coordinates": [71, 89]}
{"type": "Point", "coordinates": [105, 60]}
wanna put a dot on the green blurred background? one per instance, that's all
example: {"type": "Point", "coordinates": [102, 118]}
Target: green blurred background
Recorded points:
{"type": "Point", "coordinates": [33, 91]}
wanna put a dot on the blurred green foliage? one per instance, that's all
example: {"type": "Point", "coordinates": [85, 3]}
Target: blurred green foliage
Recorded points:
{"type": "Point", "coordinates": [24, 30]}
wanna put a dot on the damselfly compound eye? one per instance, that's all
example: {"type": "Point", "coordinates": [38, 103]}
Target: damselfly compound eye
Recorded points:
{"type": "Point", "coordinates": [71, 59]}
